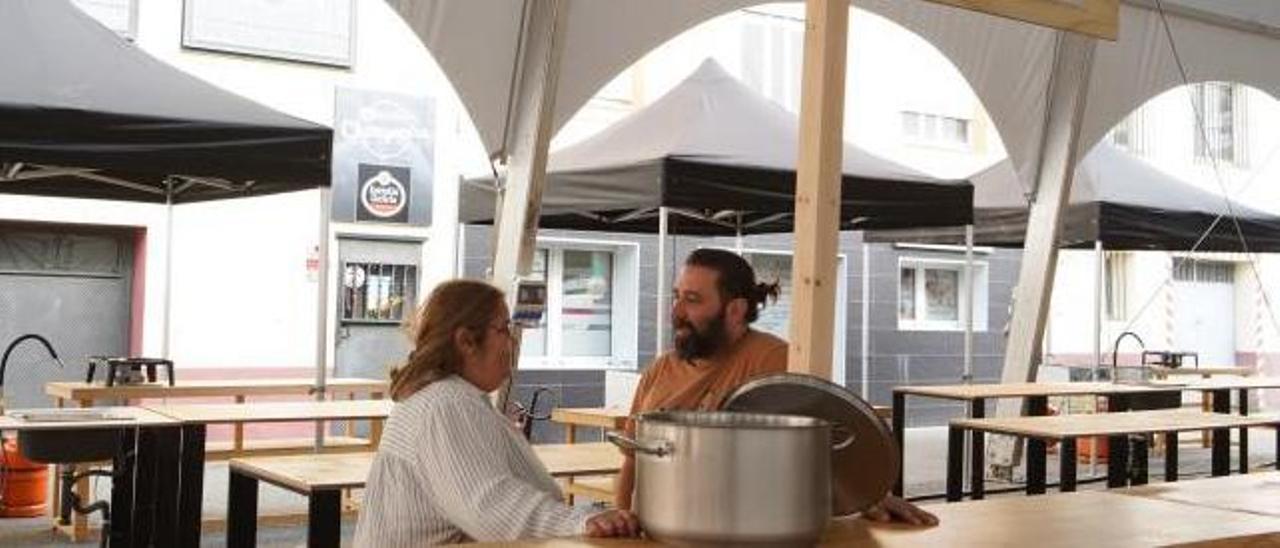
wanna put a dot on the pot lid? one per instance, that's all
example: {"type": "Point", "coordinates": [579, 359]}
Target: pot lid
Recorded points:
{"type": "Point", "coordinates": [864, 457]}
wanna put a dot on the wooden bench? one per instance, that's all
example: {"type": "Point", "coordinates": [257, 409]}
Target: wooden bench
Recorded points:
{"type": "Point", "coordinates": [323, 477]}
{"type": "Point", "coordinates": [1066, 429]}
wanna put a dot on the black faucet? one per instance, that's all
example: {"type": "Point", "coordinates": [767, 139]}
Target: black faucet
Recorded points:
{"type": "Point", "coordinates": [4, 362]}
{"type": "Point", "coordinates": [1115, 351]}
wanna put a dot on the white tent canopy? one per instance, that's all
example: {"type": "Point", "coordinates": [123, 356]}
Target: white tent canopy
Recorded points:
{"type": "Point", "coordinates": [1007, 63]}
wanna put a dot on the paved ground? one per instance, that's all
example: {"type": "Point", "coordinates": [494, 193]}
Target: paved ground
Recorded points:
{"type": "Point", "coordinates": [926, 469]}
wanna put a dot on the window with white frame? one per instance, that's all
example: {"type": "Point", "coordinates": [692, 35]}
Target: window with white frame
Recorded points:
{"type": "Point", "coordinates": [591, 306]}
{"type": "Point", "coordinates": [932, 296]}
{"type": "Point", "coordinates": [1115, 285]}
{"type": "Point", "coordinates": [935, 129]}
{"type": "Point", "coordinates": [772, 54]}
{"type": "Point", "coordinates": [1219, 132]}
{"type": "Point", "coordinates": [1202, 271]}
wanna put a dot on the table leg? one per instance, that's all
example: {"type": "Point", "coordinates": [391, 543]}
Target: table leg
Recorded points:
{"type": "Point", "coordinates": [1221, 436]}
{"type": "Point", "coordinates": [237, 431]}
{"type": "Point", "coordinates": [1067, 465]}
{"type": "Point", "coordinates": [1036, 463]}
{"type": "Point", "coordinates": [324, 519]}
{"type": "Point", "coordinates": [899, 436]}
{"type": "Point", "coordinates": [166, 446]}
{"type": "Point", "coordinates": [191, 488]}
{"type": "Point", "coordinates": [1139, 460]}
{"type": "Point", "coordinates": [955, 464]}
{"type": "Point", "coordinates": [1243, 394]}
{"type": "Point", "coordinates": [120, 528]}
{"type": "Point", "coordinates": [1117, 446]}
{"type": "Point", "coordinates": [242, 510]}
{"type": "Point", "coordinates": [978, 452]}
{"type": "Point", "coordinates": [84, 490]}
{"type": "Point", "coordinates": [1171, 456]}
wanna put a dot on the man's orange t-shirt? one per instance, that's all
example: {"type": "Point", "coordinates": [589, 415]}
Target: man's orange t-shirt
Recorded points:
{"type": "Point", "coordinates": [672, 383]}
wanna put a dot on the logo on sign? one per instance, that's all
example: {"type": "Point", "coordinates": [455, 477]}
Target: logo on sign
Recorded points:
{"type": "Point", "coordinates": [384, 193]}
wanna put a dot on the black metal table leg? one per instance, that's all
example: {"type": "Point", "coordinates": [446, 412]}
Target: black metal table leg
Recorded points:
{"type": "Point", "coordinates": [1243, 394]}
{"type": "Point", "coordinates": [977, 463]}
{"type": "Point", "coordinates": [324, 520]}
{"type": "Point", "coordinates": [1171, 456]}
{"type": "Point", "coordinates": [124, 471]}
{"type": "Point", "coordinates": [1139, 460]}
{"type": "Point", "coordinates": [191, 489]}
{"type": "Point", "coordinates": [1036, 464]}
{"type": "Point", "coordinates": [955, 464]}
{"type": "Point", "coordinates": [166, 444]}
{"type": "Point", "coordinates": [242, 510]}
{"type": "Point", "coordinates": [1221, 465]}
{"type": "Point", "coordinates": [900, 436]}
{"type": "Point", "coordinates": [1067, 465]}
{"type": "Point", "coordinates": [1117, 446]}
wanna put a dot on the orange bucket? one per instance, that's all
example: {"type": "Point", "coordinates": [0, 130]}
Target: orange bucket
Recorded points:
{"type": "Point", "coordinates": [25, 484]}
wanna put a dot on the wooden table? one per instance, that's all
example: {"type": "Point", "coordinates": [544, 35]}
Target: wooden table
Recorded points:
{"type": "Point", "coordinates": [1070, 520]}
{"type": "Point", "coordinates": [137, 495]}
{"type": "Point", "coordinates": [1067, 428]}
{"type": "Point", "coordinates": [1257, 493]}
{"type": "Point", "coordinates": [1203, 372]}
{"type": "Point", "coordinates": [608, 418]}
{"type": "Point", "coordinates": [1119, 398]}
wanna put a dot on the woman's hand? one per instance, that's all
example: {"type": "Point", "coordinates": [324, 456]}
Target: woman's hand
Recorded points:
{"type": "Point", "coordinates": [895, 509]}
{"type": "Point", "coordinates": [613, 523]}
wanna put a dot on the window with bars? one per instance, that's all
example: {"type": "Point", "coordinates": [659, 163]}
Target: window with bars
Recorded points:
{"type": "Point", "coordinates": [935, 129]}
{"type": "Point", "coordinates": [378, 292]}
{"type": "Point", "coordinates": [1219, 124]}
{"type": "Point", "coordinates": [1213, 272]}
{"type": "Point", "coordinates": [1116, 268]}
{"type": "Point", "coordinates": [772, 55]}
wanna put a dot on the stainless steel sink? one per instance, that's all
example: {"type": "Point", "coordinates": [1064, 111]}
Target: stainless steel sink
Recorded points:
{"type": "Point", "coordinates": [70, 446]}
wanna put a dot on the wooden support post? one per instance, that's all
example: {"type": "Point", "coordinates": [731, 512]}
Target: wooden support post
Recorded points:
{"type": "Point", "coordinates": [818, 174]}
{"type": "Point", "coordinates": [1068, 85]}
{"type": "Point", "coordinates": [528, 139]}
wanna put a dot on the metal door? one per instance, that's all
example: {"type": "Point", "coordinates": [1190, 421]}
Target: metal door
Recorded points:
{"type": "Point", "coordinates": [377, 293]}
{"type": "Point", "coordinates": [70, 285]}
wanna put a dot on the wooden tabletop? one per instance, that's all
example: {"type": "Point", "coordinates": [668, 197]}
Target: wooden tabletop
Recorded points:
{"type": "Point", "coordinates": [1202, 371]}
{"type": "Point", "coordinates": [1108, 424]}
{"type": "Point", "coordinates": [1094, 519]}
{"type": "Point", "coordinates": [276, 411]}
{"type": "Point", "coordinates": [207, 388]}
{"type": "Point", "coordinates": [579, 459]}
{"type": "Point", "coordinates": [1257, 493]}
{"type": "Point", "coordinates": [122, 417]}
{"type": "Point", "coordinates": [1023, 389]}
{"type": "Point", "coordinates": [613, 418]}
{"type": "Point", "coordinates": [306, 473]}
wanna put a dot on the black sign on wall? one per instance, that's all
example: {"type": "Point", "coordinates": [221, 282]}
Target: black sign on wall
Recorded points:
{"type": "Point", "coordinates": [383, 194]}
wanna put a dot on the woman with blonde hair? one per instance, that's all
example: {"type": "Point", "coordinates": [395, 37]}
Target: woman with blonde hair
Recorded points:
{"type": "Point", "coordinates": [450, 467]}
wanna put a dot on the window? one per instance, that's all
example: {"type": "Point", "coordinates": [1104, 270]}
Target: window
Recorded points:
{"type": "Point", "coordinates": [1218, 132]}
{"type": "Point", "coordinates": [931, 294]}
{"type": "Point", "coordinates": [772, 55]}
{"type": "Point", "coordinates": [775, 318]}
{"type": "Point", "coordinates": [1131, 133]}
{"type": "Point", "coordinates": [1212, 272]}
{"type": "Point", "coordinates": [935, 129]}
{"type": "Point", "coordinates": [377, 293]}
{"type": "Point", "coordinates": [591, 306]}
{"type": "Point", "coordinates": [1116, 266]}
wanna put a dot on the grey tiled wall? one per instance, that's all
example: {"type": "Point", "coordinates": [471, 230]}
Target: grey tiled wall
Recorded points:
{"type": "Point", "coordinates": [896, 357]}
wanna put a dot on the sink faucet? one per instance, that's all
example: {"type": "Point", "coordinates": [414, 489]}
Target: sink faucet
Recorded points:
{"type": "Point", "coordinates": [4, 361]}
{"type": "Point", "coordinates": [1115, 351]}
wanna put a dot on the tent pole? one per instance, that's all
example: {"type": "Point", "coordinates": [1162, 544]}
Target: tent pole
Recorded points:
{"type": "Point", "coordinates": [168, 270]}
{"type": "Point", "coordinates": [968, 316]}
{"type": "Point", "coordinates": [322, 307]}
{"type": "Point", "coordinates": [660, 319]}
{"type": "Point", "coordinates": [866, 323]}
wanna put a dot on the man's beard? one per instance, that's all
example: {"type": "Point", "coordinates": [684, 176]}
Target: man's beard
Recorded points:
{"type": "Point", "coordinates": [698, 344]}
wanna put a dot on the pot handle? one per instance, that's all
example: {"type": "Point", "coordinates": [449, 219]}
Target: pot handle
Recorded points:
{"type": "Point", "coordinates": [845, 436]}
{"type": "Point", "coordinates": [661, 450]}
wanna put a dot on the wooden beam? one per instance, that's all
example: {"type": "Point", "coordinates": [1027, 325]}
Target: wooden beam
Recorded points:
{"type": "Point", "coordinates": [817, 210]}
{"type": "Point", "coordinates": [516, 223]}
{"type": "Point", "coordinates": [1097, 18]}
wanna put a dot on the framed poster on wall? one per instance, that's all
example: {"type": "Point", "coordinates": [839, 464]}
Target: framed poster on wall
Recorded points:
{"type": "Point", "coordinates": [311, 31]}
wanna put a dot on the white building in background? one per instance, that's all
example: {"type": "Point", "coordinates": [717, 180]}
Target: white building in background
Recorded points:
{"type": "Point", "coordinates": [1221, 137]}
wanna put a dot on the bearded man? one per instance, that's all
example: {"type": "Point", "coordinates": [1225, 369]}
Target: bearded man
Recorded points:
{"type": "Point", "coordinates": [715, 300]}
